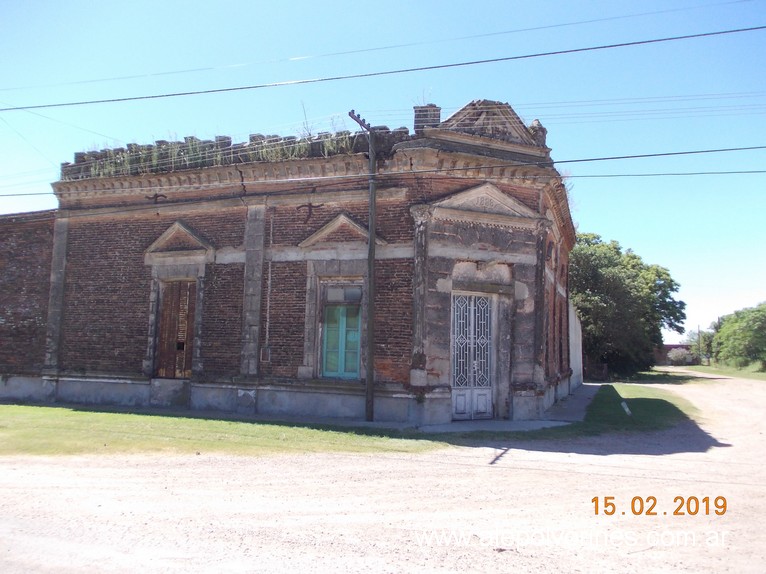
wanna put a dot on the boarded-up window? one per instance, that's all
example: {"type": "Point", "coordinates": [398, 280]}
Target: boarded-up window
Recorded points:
{"type": "Point", "coordinates": [176, 333]}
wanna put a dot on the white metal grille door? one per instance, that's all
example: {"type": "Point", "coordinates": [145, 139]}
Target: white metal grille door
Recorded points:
{"type": "Point", "coordinates": [471, 357]}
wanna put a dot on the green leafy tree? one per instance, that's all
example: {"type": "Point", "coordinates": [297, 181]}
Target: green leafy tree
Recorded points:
{"type": "Point", "coordinates": [741, 338]}
{"type": "Point", "coordinates": [623, 302]}
{"type": "Point", "coordinates": [700, 344]}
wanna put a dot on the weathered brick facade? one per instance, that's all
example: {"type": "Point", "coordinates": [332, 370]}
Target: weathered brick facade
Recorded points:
{"type": "Point", "coordinates": [229, 276]}
{"type": "Point", "coordinates": [25, 269]}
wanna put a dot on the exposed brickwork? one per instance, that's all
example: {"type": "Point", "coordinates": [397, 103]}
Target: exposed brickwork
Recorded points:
{"type": "Point", "coordinates": [222, 321]}
{"type": "Point", "coordinates": [286, 305]}
{"type": "Point", "coordinates": [116, 204]}
{"type": "Point", "coordinates": [106, 297]}
{"type": "Point", "coordinates": [393, 320]}
{"type": "Point", "coordinates": [25, 268]}
{"type": "Point", "coordinates": [106, 309]}
{"type": "Point", "coordinates": [344, 233]}
{"type": "Point", "coordinates": [221, 228]}
{"type": "Point", "coordinates": [180, 242]}
{"type": "Point", "coordinates": [394, 223]}
{"type": "Point", "coordinates": [291, 228]}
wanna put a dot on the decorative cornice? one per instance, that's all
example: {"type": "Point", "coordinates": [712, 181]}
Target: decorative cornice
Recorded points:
{"type": "Point", "coordinates": [557, 194]}
{"type": "Point", "coordinates": [216, 178]}
{"type": "Point", "coordinates": [491, 219]}
{"type": "Point", "coordinates": [451, 251]}
{"type": "Point", "coordinates": [453, 164]}
{"type": "Point", "coordinates": [270, 182]}
{"type": "Point", "coordinates": [485, 142]}
{"type": "Point", "coordinates": [339, 252]}
{"type": "Point", "coordinates": [328, 196]}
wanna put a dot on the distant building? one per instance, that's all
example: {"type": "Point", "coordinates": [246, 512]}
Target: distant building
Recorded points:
{"type": "Point", "coordinates": [213, 275]}
{"type": "Point", "coordinates": [661, 353]}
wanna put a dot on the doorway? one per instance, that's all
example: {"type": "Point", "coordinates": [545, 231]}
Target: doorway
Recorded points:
{"type": "Point", "coordinates": [471, 357]}
{"type": "Point", "coordinates": [176, 329]}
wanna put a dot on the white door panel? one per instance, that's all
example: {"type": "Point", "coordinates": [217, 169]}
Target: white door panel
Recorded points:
{"type": "Point", "coordinates": [471, 357]}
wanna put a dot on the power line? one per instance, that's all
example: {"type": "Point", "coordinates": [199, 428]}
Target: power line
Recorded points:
{"type": "Point", "coordinates": [290, 147]}
{"type": "Point", "coordinates": [373, 49]}
{"type": "Point", "coordinates": [404, 115]}
{"type": "Point", "coordinates": [202, 154]}
{"type": "Point", "coordinates": [389, 72]}
{"type": "Point", "coordinates": [666, 174]}
{"type": "Point", "coordinates": [469, 168]}
{"type": "Point", "coordinates": [151, 207]}
{"type": "Point", "coordinates": [647, 99]}
{"type": "Point", "coordinates": [28, 142]}
{"type": "Point", "coordinates": [664, 154]}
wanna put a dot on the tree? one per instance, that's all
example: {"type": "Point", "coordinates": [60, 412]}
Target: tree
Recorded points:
{"type": "Point", "coordinates": [741, 338]}
{"type": "Point", "coordinates": [624, 303]}
{"type": "Point", "coordinates": [701, 344]}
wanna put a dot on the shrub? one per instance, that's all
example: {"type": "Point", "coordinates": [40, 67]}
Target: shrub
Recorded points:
{"type": "Point", "coordinates": [680, 357]}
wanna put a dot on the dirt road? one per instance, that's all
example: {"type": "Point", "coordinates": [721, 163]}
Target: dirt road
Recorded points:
{"type": "Point", "coordinates": [506, 507]}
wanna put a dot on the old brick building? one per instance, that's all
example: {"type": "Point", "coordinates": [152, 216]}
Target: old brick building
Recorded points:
{"type": "Point", "coordinates": [233, 276]}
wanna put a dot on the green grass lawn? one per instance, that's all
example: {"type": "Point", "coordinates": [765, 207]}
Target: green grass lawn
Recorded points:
{"type": "Point", "coordinates": [44, 430]}
{"type": "Point", "coordinates": [60, 430]}
{"type": "Point", "coordinates": [746, 373]}
{"type": "Point", "coordinates": [651, 409]}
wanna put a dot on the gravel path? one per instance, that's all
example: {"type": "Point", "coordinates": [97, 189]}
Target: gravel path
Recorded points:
{"type": "Point", "coordinates": [506, 507]}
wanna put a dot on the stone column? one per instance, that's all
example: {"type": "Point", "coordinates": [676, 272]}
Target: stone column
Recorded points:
{"type": "Point", "coordinates": [56, 297]}
{"type": "Point", "coordinates": [540, 308]}
{"type": "Point", "coordinates": [198, 367]}
{"type": "Point", "coordinates": [421, 214]}
{"type": "Point", "coordinates": [251, 321]}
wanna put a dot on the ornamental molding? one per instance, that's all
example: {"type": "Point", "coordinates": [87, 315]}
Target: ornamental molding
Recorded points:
{"type": "Point", "coordinates": [179, 245]}
{"type": "Point", "coordinates": [320, 237]}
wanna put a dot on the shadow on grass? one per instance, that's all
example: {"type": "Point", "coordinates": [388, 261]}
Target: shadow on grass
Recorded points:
{"type": "Point", "coordinates": [654, 427]}
{"type": "Point", "coordinates": [662, 378]}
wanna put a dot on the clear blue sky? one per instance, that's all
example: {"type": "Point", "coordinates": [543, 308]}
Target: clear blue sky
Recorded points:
{"type": "Point", "coordinates": [696, 94]}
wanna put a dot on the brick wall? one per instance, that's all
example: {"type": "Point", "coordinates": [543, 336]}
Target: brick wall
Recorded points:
{"type": "Point", "coordinates": [107, 287]}
{"type": "Point", "coordinates": [25, 268]}
{"type": "Point", "coordinates": [290, 226]}
{"type": "Point", "coordinates": [222, 321]}
{"type": "Point", "coordinates": [106, 297]}
{"type": "Point", "coordinates": [284, 310]}
{"type": "Point", "coordinates": [393, 320]}
{"type": "Point", "coordinates": [428, 188]}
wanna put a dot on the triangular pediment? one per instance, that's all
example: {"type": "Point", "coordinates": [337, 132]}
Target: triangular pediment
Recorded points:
{"type": "Point", "coordinates": [342, 229]}
{"type": "Point", "coordinates": [180, 242]}
{"type": "Point", "coordinates": [176, 238]}
{"type": "Point", "coordinates": [486, 198]}
{"type": "Point", "coordinates": [490, 119]}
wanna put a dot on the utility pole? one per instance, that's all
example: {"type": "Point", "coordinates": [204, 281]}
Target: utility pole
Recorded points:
{"type": "Point", "coordinates": [370, 378]}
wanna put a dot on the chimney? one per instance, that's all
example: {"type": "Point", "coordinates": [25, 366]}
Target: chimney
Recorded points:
{"type": "Point", "coordinates": [428, 116]}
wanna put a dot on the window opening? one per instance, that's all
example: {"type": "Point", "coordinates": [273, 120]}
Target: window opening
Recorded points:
{"type": "Point", "coordinates": [341, 333]}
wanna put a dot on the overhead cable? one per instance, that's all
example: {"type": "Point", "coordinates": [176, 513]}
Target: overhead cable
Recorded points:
{"type": "Point", "coordinates": [474, 167]}
{"type": "Point", "coordinates": [373, 49]}
{"type": "Point", "coordinates": [388, 72]}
